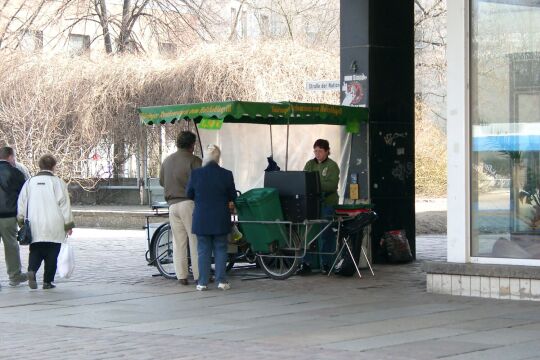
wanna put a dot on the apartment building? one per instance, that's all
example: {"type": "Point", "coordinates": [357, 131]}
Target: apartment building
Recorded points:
{"type": "Point", "coordinates": [79, 28]}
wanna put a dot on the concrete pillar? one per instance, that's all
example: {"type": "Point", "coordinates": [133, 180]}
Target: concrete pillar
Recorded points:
{"type": "Point", "coordinates": [377, 71]}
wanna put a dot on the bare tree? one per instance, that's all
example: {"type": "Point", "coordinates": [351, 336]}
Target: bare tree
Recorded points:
{"type": "Point", "coordinates": [234, 21]}
{"type": "Point", "coordinates": [430, 57]}
{"type": "Point", "coordinates": [40, 115]}
{"type": "Point", "coordinates": [123, 27]}
{"type": "Point", "coordinates": [314, 22]}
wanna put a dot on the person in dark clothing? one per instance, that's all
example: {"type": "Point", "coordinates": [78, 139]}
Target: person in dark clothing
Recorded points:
{"type": "Point", "coordinates": [212, 189]}
{"type": "Point", "coordinates": [11, 183]}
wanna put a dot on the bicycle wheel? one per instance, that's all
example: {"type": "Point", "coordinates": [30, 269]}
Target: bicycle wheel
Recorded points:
{"type": "Point", "coordinates": [163, 251]}
{"type": "Point", "coordinates": [282, 263]}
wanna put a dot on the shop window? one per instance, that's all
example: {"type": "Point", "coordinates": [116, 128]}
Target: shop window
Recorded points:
{"type": "Point", "coordinates": [505, 128]}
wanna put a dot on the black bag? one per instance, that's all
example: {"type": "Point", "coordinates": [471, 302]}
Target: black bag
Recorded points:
{"type": "Point", "coordinates": [272, 165]}
{"type": "Point", "coordinates": [24, 235]}
{"type": "Point", "coordinates": [345, 265]}
{"type": "Point", "coordinates": [353, 229]}
{"type": "Point", "coordinates": [397, 247]}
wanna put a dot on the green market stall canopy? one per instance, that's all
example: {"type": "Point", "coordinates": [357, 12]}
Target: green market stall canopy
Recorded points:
{"type": "Point", "coordinates": [212, 115]}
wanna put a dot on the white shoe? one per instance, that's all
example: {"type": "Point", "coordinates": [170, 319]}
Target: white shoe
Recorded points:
{"type": "Point", "coordinates": [224, 286]}
{"type": "Point", "coordinates": [201, 287]}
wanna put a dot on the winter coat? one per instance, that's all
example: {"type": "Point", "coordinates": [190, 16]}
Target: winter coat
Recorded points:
{"type": "Point", "coordinates": [329, 176]}
{"type": "Point", "coordinates": [212, 188]}
{"type": "Point", "coordinates": [11, 182]}
{"type": "Point", "coordinates": [49, 208]}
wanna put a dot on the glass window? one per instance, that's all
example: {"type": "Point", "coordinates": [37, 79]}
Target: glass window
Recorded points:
{"type": "Point", "coordinates": [78, 44]}
{"type": "Point", "coordinates": [32, 41]}
{"type": "Point", "coordinates": [265, 25]}
{"type": "Point", "coordinates": [168, 49]}
{"type": "Point", "coordinates": [233, 20]}
{"type": "Point", "coordinates": [505, 128]}
{"type": "Point", "coordinates": [244, 25]}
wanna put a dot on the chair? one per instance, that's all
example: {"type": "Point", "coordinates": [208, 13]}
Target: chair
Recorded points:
{"type": "Point", "coordinates": [349, 229]}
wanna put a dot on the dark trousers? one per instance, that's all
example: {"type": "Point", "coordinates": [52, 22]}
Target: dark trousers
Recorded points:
{"type": "Point", "coordinates": [326, 242]}
{"type": "Point", "coordinates": [44, 251]}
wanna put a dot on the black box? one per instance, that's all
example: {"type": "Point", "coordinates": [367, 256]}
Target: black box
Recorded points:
{"type": "Point", "coordinates": [299, 193]}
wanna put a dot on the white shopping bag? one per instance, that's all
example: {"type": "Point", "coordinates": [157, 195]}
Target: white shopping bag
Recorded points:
{"type": "Point", "coordinates": [66, 261]}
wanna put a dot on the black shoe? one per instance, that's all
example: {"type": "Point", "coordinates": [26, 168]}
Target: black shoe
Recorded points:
{"type": "Point", "coordinates": [48, 286]}
{"type": "Point", "coordinates": [32, 283]}
{"type": "Point", "coordinates": [325, 269]}
{"type": "Point", "coordinates": [303, 270]}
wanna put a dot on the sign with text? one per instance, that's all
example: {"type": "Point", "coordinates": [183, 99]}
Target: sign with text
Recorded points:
{"type": "Point", "coordinates": [322, 85]}
{"type": "Point", "coordinates": [210, 124]}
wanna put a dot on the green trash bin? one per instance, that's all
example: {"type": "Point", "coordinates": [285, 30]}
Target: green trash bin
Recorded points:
{"type": "Point", "coordinates": [262, 205]}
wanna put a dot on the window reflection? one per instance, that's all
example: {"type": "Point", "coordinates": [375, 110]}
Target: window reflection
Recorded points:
{"type": "Point", "coordinates": [505, 128]}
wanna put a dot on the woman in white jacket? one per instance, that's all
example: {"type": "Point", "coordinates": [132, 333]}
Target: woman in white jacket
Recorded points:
{"type": "Point", "coordinates": [46, 199]}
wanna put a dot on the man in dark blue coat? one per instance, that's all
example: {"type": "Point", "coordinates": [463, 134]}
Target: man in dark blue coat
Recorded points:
{"type": "Point", "coordinates": [212, 188]}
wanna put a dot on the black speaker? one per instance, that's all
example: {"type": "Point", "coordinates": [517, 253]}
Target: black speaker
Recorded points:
{"type": "Point", "coordinates": [299, 193]}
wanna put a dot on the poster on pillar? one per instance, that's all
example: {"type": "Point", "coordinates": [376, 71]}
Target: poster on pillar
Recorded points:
{"type": "Point", "coordinates": [355, 90]}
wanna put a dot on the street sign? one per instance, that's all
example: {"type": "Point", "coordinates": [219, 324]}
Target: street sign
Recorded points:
{"type": "Point", "coordinates": [322, 85]}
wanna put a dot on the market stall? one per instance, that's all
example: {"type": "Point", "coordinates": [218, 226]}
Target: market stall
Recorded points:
{"type": "Point", "coordinates": [278, 255]}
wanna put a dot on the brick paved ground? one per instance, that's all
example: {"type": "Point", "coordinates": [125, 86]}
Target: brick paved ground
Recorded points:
{"type": "Point", "coordinates": [113, 308]}
{"type": "Point", "coordinates": [118, 256]}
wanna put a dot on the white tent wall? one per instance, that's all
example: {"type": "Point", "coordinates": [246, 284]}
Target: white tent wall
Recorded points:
{"type": "Point", "coordinates": [245, 147]}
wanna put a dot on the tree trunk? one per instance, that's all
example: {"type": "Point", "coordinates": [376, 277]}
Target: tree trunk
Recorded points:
{"type": "Point", "coordinates": [124, 35]}
{"type": "Point", "coordinates": [118, 158]}
{"type": "Point", "coordinates": [234, 24]}
{"type": "Point", "coordinates": [104, 20]}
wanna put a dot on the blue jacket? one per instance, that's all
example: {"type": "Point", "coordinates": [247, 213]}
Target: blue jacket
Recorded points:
{"type": "Point", "coordinates": [212, 188]}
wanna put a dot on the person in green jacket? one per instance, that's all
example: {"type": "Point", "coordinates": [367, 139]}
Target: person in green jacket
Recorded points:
{"type": "Point", "coordinates": [329, 176]}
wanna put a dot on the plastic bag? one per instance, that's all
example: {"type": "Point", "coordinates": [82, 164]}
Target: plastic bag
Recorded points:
{"type": "Point", "coordinates": [66, 261]}
{"type": "Point", "coordinates": [396, 246]}
{"type": "Point", "coordinates": [236, 235]}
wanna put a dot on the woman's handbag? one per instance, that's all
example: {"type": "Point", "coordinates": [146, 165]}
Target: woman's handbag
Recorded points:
{"type": "Point", "coordinates": [24, 235]}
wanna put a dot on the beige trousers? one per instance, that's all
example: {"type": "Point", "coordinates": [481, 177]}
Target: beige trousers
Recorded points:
{"type": "Point", "coordinates": [8, 235]}
{"type": "Point", "coordinates": [180, 217]}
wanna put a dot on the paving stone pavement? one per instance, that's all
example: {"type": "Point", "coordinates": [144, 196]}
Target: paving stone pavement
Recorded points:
{"type": "Point", "coordinates": [114, 308]}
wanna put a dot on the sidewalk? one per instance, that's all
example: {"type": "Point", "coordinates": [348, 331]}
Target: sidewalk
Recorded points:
{"type": "Point", "coordinates": [114, 308]}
